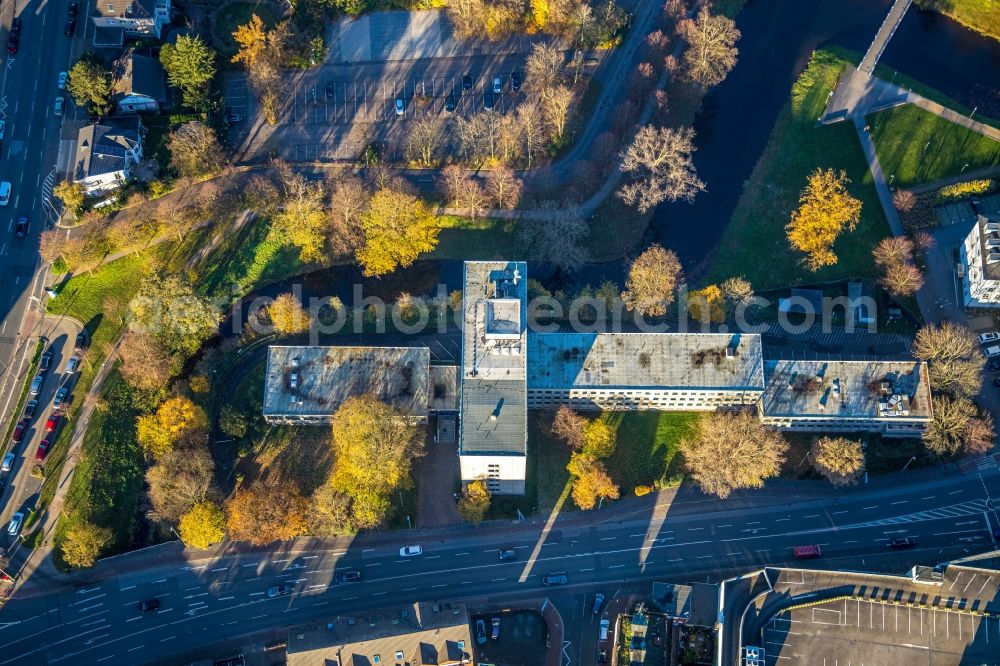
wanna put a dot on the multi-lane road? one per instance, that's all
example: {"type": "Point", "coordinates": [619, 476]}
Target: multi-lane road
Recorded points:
{"type": "Point", "coordinates": [209, 601]}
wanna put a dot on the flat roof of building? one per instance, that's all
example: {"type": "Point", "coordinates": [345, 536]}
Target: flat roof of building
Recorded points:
{"type": "Point", "coordinates": [645, 360]}
{"type": "Point", "coordinates": [494, 352]}
{"type": "Point", "coordinates": [838, 389]}
{"type": "Point", "coordinates": [414, 634]}
{"type": "Point", "coordinates": [988, 227]}
{"type": "Point", "coordinates": [313, 380]}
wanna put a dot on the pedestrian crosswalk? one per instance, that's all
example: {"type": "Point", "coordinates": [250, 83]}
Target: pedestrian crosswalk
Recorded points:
{"type": "Point", "coordinates": [971, 508]}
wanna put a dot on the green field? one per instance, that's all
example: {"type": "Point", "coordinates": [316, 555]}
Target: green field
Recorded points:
{"type": "Point", "coordinates": [480, 239]}
{"type": "Point", "coordinates": [980, 15]}
{"type": "Point", "coordinates": [917, 147]}
{"type": "Point", "coordinates": [796, 148]}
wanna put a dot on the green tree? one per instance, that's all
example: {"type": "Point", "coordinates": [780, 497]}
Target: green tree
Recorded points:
{"type": "Point", "coordinates": [71, 194]}
{"type": "Point", "coordinates": [475, 502]}
{"type": "Point", "coordinates": [83, 542]}
{"type": "Point", "coordinates": [233, 422]}
{"type": "Point", "coordinates": [170, 310]}
{"type": "Point", "coordinates": [90, 85]}
{"type": "Point", "coordinates": [397, 228]}
{"type": "Point", "coordinates": [203, 525]}
{"type": "Point", "coordinates": [329, 512]}
{"type": "Point", "coordinates": [374, 446]}
{"type": "Point", "coordinates": [190, 66]}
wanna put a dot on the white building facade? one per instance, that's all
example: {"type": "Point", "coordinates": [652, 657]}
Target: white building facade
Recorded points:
{"type": "Point", "coordinates": [981, 259]}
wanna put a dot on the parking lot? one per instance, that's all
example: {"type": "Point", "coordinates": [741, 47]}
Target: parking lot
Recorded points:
{"type": "Point", "coordinates": [876, 633]}
{"type": "Point", "coordinates": [522, 639]}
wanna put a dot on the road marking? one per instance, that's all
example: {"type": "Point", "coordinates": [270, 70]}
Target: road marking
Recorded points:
{"type": "Point", "coordinates": [133, 619]}
{"type": "Point", "coordinates": [82, 610]}
{"type": "Point", "coordinates": [84, 601]}
{"type": "Point", "coordinates": [220, 569]}
{"type": "Point", "coordinates": [836, 512]}
{"type": "Point", "coordinates": [194, 596]}
{"type": "Point", "coordinates": [608, 538]}
{"type": "Point", "coordinates": [225, 598]}
{"type": "Point", "coordinates": [257, 617]}
{"type": "Point", "coordinates": [441, 585]}
{"type": "Point", "coordinates": [321, 603]}
{"type": "Point", "coordinates": [460, 554]}
{"type": "Point", "coordinates": [867, 508]}
{"type": "Point", "coordinates": [94, 622]}
{"type": "Point", "coordinates": [928, 497]}
{"type": "Point", "coordinates": [349, 598]}
{"type": "Point", "coordinates": [256, 594]}
{"type": "Point", "coordinates": [169, 638]}
{"type": "Point", "coordinates": [956, 492]}
{"type": "Point", "coordinates": [376, 594]}
{"type": "Point", "coordinates": [315, 586]}
{"type": "Point", "coordinates": [277, 561]}
{"type": "Point", "coordinates": [137, 647]}
{"type": "Point", "coordinates": [815, 515]}
{"type": "Point", "coordinates": [899, 502]}
{"type": "Point", "coordinates": [196, 587]}
{"type": "Point", "coordinates": [616, 566]}
{"type": "Point", "coordinates": [127, 588]}
{"type": "Point", "coordinates": [160, 581]}
{"type": "Point", "coordinates": [251, 565]}
{"type": "Point", "coordinates": [781, 520]}
{"type": "Point", "coordinates": [726, 525]}
{"type": "Point", "coordinates": [374, 564]}
{"type": "Point", "coordinates": [110, 656]}
{"type": "Point", "coordinates": [310, 557]}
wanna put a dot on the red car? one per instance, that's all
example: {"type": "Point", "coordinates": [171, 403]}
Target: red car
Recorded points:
{"type": "Point", "coordinates": [19, 430]}
{"type": "Point", "coordinates": [52, 424]}
{"type": "Point", "coordinates": [43, 449]}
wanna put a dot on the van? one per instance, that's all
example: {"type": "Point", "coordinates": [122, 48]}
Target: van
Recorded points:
{"type": "Point", "coordinates": [807, 552]}
{"type": "Point", "coordinates": [605, 625]}
{"type": "Point", "coordinates": [4, 193]}
{"type": "Point", "coordinates": [991, 352]}
{"type": "Point", "coordinates": [985, 338]}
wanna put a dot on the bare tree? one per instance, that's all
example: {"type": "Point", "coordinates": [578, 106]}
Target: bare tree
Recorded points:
{"type": "Point", "coordinates": [711, 52]}
{"type": "Point", "coordinates": [923, 240]}
{"type": "Point", "coordinates": [893, 250]}
{"type": "Point", "coordinates": [902, 279]}
{"type": "Point", "coordinates": [529, 120]}
{"type": "Point", "coordinates": [504, 187]}
{"type": "Point", "coordinates": [509, 139]}
{"type": "Point", "coordinates": [146, 364]}
{"type": "Point", "coordinates": [348, 200]}
{"type": "Point", "coordinates": [956, 424]}
{"type": "Point", "coordinates": [424, 140]}
{"type": "Point", "coordinates": [450, 182]}
{"type": "Point", "coordinates": [904, 200]}
{"type": "Point", "coordinates": [569, 426]}
{"type": "Point", "coordinates": [195, 150]}
{"type": "Point", "coordinates": [659, 160]}
{"type": "Point", "coordinates": [657, 44]}
{"type": "Point", "coordinates": [955, 363]}
{"type": "Point", "coordinates": [543, 70]}
{"type": "Point", "coordinates": [51, 244]}
{"type": "Point", "coordinates": [732, 450]}
{"type": "Point", "coordinates": [840, 460]}
{"type": "Point", "coordinates": [555, 108]}
{"type": "Point", "coordinates": [652, 280]}
{"type": "Point", "coordinates": [556, 235]}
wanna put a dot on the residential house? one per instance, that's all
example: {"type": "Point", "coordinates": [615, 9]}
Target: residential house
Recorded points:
{"type": "Point", "coordinates": [118, 20]}
{"type": "Point", "coordinates": [981, 259]}
{"type": "Point", "coordinates": [106, 152]}
{"type": "Point", "coordinates": [139, 84]}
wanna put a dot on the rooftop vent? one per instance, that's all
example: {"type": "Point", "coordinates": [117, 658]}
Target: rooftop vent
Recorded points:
{"type": "Point", "coordinates": [293, 381]}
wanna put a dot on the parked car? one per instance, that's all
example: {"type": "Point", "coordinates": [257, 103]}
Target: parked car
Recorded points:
{"type": "Point", "coordinates": [400, 106]}
{"type": "Point", "coordinates": [554, 579]}
{"type": "Point", "coordinates": [450, 103]}
{"type": "Point", "coordinates": [602, 656]}
{"type": "Point", "coordinates": [279, 591]}
{"type": "Point", "coordinates": [61, 81]}
{"type": "Point", "coordinates": [466, 82]}
{"type": "Point", "coordinates": [12, 43]}
{"type": "Point", "coordinates": [72, 365]}
{"type": "Point", "coordinates": [994, 364]}
{"type": "Point", "coordinates": [496, 628]}
{"type": "Point", "coordinates": [15, 524]}
{"type": "Point", "coordinates": [81, 341]}
{"type": "Point", "coordinates": [807, 552]}
{"type": "Point", "coordinates": [411, 551]}
{"type": "Point", "coordinates": [60, 397]}
{"type": "Point", "coordinates": [36, 385]}
{"type": "Point", "coordinates": [42, 450]}
{"type": "Point", "coordinates": [991, 352]}
{"type": "Point", "coordinates": [19, 430]}
{"type": "Point", "coordinates": [3, 128]}
{"type": "Point", "coordinates": [148, 605]}
{"type": "Point", "coordinates": [52, 424]}
{"type": "Point", "coordinates": [481, 631]}
{"type": "Point", "coordinates": [515, 80]}
{"type": "Point", "coordinates": [8, 462]}
{"type": "Point", "coordinates": [903, 542]}
{"type": "Point", "coordinates": [59, 106]}
{"type": "Point", "coordinates": [992, 336]}
{"type": "Point", "coordinates": [16, 25]}
{"type": "Point", "coordinates": [598, 602]}
{"type": "Point", "coordinates": [497, 85]}
{"type": "Point", "coordinates": [29, 409]}
{"type": "Point", "coordinates": [21, 230]}
{"type": "Point", "coordinates": [347, 576]}
{"type": "Point", "coordinates": [4, 193]}
{"type": "Point", "coordinates": [73, 10]}
{"type": "Point", "coordinates": [602, 634]}
{"type": "Point", "coordinates": [45, 361]}
{"type": "Point", "coordinates": [507, 554]}
{"type": "Point", "coordinates": [488, 101]}
{"type": "Point", "coordinates": [331, 89]}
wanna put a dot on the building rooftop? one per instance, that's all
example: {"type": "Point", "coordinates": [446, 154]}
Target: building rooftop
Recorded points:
{"type": "Point", "coordinates": [494, 352]}
{"type": "Point", "coordinates": [127, 8]}
{"type": "Point", "coordinates": [444, 388]}
{"type": "Point", "coordinates": [419, 634]}
{"type": "Point", "coordinates": [658, 360]}
{"type": "Point", "coordinates": [314, 381]}
{"type": "Point", "coordinates": [839, 389]}
{"type": "Point", "coordinates": [139, 75]}
{"type": "Point", "coordinates": [989, 240]}
{"type": "Point", "coordinates": [102, 146]}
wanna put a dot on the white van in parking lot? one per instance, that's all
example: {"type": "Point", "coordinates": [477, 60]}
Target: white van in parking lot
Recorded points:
{"type": "Point", "coordinates": [991, 352]}
{"type": "Point", "coordinates": [985, 338]}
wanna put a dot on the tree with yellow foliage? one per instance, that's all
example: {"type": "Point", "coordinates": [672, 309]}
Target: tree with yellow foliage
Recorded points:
{"type": "Point", "coordinates": [539, 13]}
{"type": "Point", "coordinates": [287, 315]}
{"type": "Point", "coordinates": [252, 40]}
{"type": "Point", "coordinates": [263, 514]}
{"type": "Point", "coordinates": [825, 209]}
{"type": "Point", "coordinates": [175, 418]}
{"type": "Point", "coordinates": [591, 481]}
{"type": "Point", "coordinates": [203, 525]}
{"type": "Point", "coordinates": [598, 439]}
{"type": "Point", "coordinates": [707, 305]}
{"type": "Point", "coordinates": [397, 228]}
{"type": "Point", "coordinates": [82, 544]}
{"type": "Point", "coordinates": [475, 502]}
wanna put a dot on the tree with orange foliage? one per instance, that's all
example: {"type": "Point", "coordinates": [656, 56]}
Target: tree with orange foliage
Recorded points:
{"type": "Point", "coordinates": [263, 514]}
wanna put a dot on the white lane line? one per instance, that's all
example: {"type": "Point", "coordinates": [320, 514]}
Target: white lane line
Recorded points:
{"type": "Point", "coordinates": [257, 617]}
{"type": "Point", "coordinates": [616, 566]}
{"type": "Point", "coordinates": [497, 580]}
{"type": "Point", "coordinates": [349, 598]}
{"type": "Point", "coordinates": [196, 587]}
{"type": "Point", "coordinates": [277, 561]}
{"type": "Point", "coordinates": [866, 508]}
{"type": "Point", "coordinates": [956, 492]}
{"type": "Point", "coordinates": [133, 619]}
{"type": "Point", "coordinates": [836, 512]}
{"type": "Point", "coordinates": [432, 557]}
{"type": "Point", "coordinates": [250, 565]}
{"type": "Point", "coordinates": [164, 580]}
{"type": "Point", "coordinates": [409, 589]}
{"type": "Point", "coordinates": [321, 603]}
{"type": "Point", "coordinates": [137, 647]}
{"type": "Point", "coordinates": [88, 600]}
{"type": "Point", "coordinates": [460, 554]}
{"type": "Point", "coordinates": [608, 538]}
{"type": "Point", "coordinates": [256, 594]}
{"type": "Point", "coordinates": [84, 610]}
{"type": "Point", "coordinates": [726, 525]}
{"type": "Point", "coordinates": [128, 588]}
{"type": "Point", "coordinates": [815, 515]}
{"type": "Point", "coordinates": [781, 520]}
{"type": "Point", "coordinates": [309, 557]}
{"type": "Point", "coordinates": [317, 586]}
{"type": "Point", "coordinates": [377, 594]}
{"type": "Point", "coordinates": [103, 619]}
{"type": "Point", "coordinates": [169, 638]}
{"type": "Point", "coordinates": [110, 656]}
{"type": "Point", "coordinates": [226, 598]}
{"type": "Point", "coordinates": [194, 596]}
{"type": "Point", "coordinates": [441, 585]}
{"type": "Point", "coordinates": [899, 502]}
{"type": "Point", "coordinates": [928, 497]}
{"type": "Point", "coordinates": [220, 569]}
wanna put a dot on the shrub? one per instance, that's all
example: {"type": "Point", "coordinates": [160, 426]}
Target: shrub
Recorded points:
{"type": "Point", "coordinates": [642, 490]}
{"type": "Point", "coordinates": [964, 190]}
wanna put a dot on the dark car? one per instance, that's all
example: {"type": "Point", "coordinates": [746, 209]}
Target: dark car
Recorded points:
{"type": "Point", "coordinates": [495, 635]}
{"type": "Point", "coordinates": [12, 43]}
{"type": "Point", "coordinates": [598, 602]}
{"type": "Point", "coordinates": [15, 26]}
{"type": "Point", "coordinates": [278, 591]}
{"type": "Point", "coordinates": [19, 430]}
{"type": "Point", "coordinates": [488, 101]}
{"type": "Point", "coordinates": [903, 542]}
{"type": "Point", "coordinates": [74, 8]}
{"type": "Point", "coordinates": [29, 409]}
{"type": "Point", "coordinates": [21, 230]}
{"type": "Point", "coordinates": [81, 341]}
{"type": "Point", "coordinates": [330, 89]}
{"type": "Point", "coordinates": [70, 26]}
{"type": "Point", "coordinates": [515, 80]}
{"type": "Point", "coordinates": [148, 605]}
{"type": "Point", "coordinates": [481, 632]}
{"type": "Point", "coordinates": [554, 579]}
{"type": "Point", "coordinates": [507, 554]}
{"type": "Point", "coordinates": [347, 576]}
{"type": "Point", "coordinates": [42, 450]}
{"type": "Point", "coordinates": [52, 424]}
{"type": "Point", "coordinates": [450, 103]}
{"type": "Point", "coordinates": [602, 656]}
{"type": "Point", "coordinates": [466, 82]}
{"type": "Point", "coordinates": [45, 361]}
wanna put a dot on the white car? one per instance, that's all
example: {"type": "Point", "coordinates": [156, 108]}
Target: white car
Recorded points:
{"type": "Point", "coordinates": [61, 83]}
{"type": "Point", "coordinates": [4, 193]}
{"type": "Point", "coordinates": [3, 127]}
{"type": "Point", "coordinates": [15, 524]}
{"type": "Point", "coordinates": [497, 85]}
{"type": "Point", "coordinates": [60, 104]}
{"type": "Point", "coordinates": [8, 462]}
{"type": "Point", "coordinates": [411, 551]}
{"type": "Point", "coordinates": [400, 106]}
{"type": "Point", "coordinates": [992, 336]}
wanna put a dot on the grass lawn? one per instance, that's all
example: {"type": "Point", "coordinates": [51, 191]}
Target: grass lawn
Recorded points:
{"type": "Point", "coordinates": [480, 239]}
{"type": "Point", "coordinates": [918, 147]}
{"type": "Point", "coordinates": [647, 446]}
{"type": "Point", "coordinates": [796, 148]}
{"type": "Point", "coordinates": [980, 15]}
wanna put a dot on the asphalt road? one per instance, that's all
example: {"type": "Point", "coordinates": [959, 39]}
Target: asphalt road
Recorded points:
{"type": "Point", "coordinates": [206, 602]}
{"type": "Point", "coordinates": [28, 155]}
